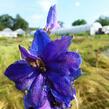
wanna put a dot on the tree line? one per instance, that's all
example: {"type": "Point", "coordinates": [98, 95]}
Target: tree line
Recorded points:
{"type": "Point", "coordinates": [7, 21]}
{"type": "Point", "coordinates": [103, 20]}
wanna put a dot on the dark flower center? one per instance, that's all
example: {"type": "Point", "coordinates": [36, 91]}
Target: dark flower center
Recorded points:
{"type": "Point", "coordinates": [31, 108]}
{"type": "Point", "coordinates": [39, 64]}
{"type": "Point", "coordinates": [48, 31]}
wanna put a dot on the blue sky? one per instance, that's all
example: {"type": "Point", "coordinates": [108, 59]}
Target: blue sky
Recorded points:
{"type": "Point", "coordinates": [35, 11]}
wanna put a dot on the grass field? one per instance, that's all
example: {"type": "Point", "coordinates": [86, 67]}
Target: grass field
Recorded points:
{"type": "Point", "coordinates": [92, 87]}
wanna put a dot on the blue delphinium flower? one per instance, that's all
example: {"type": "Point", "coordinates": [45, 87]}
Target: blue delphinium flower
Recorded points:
{"type": "Point", "coordinates": [52, 22]}
{"type": "Point", "coordinates": [47, 71]}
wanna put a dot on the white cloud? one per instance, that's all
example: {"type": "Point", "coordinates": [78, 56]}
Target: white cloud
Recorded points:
{"type": "Point", "coordinates": [36, 17]}
{"type": "Point", "coordinates": [45, 4]}
{"type": "Point", "coordinates": [35, 20]}
{"type": "Point", "coordinates": [105, 13]}
{"type": "Point", "coordinates": [77, 3]}
{"type": "Point", "coordinates": [97, 15]}
{"type": "Point", "coordinates": [39, 20]}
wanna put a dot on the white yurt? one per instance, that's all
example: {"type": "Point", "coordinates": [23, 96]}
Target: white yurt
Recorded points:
{"type": "Point", "coordinates": [95, 27]}
{"type": "Point", "coordinates": [20, 31]}
{"type": "Point", "coordinates": [7, 32]}
{"type": "Point", "coordinates": [105, 29]}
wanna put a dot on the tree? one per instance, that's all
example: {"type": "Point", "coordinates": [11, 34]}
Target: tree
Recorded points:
{"type": "Point", "coordinates": [103, 20]}
{"type": "Point", "coordinates": [6, 21]}
{"type": "Point", "coordinates": [20, 23]}
{"type": "Point", "coordinates": [79, 22]}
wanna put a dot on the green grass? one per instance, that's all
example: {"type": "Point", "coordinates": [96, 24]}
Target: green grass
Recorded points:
{"type": "Point", "coordinates": [92, 87]}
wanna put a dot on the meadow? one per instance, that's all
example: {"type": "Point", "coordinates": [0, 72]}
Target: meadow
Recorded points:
{"type": "Point", "coordinates": [93, 85]}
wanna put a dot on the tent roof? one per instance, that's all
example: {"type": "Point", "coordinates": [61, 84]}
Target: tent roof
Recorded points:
{"type": "Point", "coordinates": [20, 31]}
{"type": "Point", "coordinates": [7, 30]}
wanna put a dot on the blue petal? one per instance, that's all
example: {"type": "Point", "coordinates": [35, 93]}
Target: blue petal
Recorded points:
{"type": "Point", "coordinates": [22, 74]}
{"type": "Point", "coordinates": [66, 100]}
{"type": "Point", "coordinates": [61, 87]}
{"type": "Point", "coordinates": [27, 55]}
{"type": "Point", "coordinates": [61, 99]}
{"type": "Point", "coordinates": [29, 106]}
{"type": "Point", "coordinates": [74, 74]}
{"type": "Point", "coordinates": [41, 39]}
{"type": "Point", "coordinates": [72, 60]}
{"type": "Point", "coordinates": [61, 83]}
{"type": "Point", "coordinates": [55, 48]}
{"type": "Point", "coordinates": [54, 104]}
{"type": "Point", "coordinates": [65, 64]}
{"type": "Point", "coordinates": [46, 105]}
{"type": "Point", "coordinates": [52, 18]}
{"type": "Point", "coordinates": [36, 96]}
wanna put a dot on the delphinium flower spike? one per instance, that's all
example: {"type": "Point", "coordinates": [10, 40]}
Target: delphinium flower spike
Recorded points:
{"type": "Point", "coordinates": [52, 22]}
{"type": "Point", "coordinates": [47, 71]}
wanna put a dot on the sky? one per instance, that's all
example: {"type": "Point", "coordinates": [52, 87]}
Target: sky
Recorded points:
{"type": "Point", "coordinates": [35, 11]}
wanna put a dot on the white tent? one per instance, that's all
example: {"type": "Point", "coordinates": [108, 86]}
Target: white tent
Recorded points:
{"type": "Point", "coordinates": [105, 29]}
{"type": "Point", "coordinates": [20, 31]}
{"type": "Point", "coordinates": [92, 28]}
{"type": "Point", "coordinates": [73, 30]}
{"type": "Point", "coordinates": [7, 32]}
{"type": "Point", "coordinates": [95, 28]}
